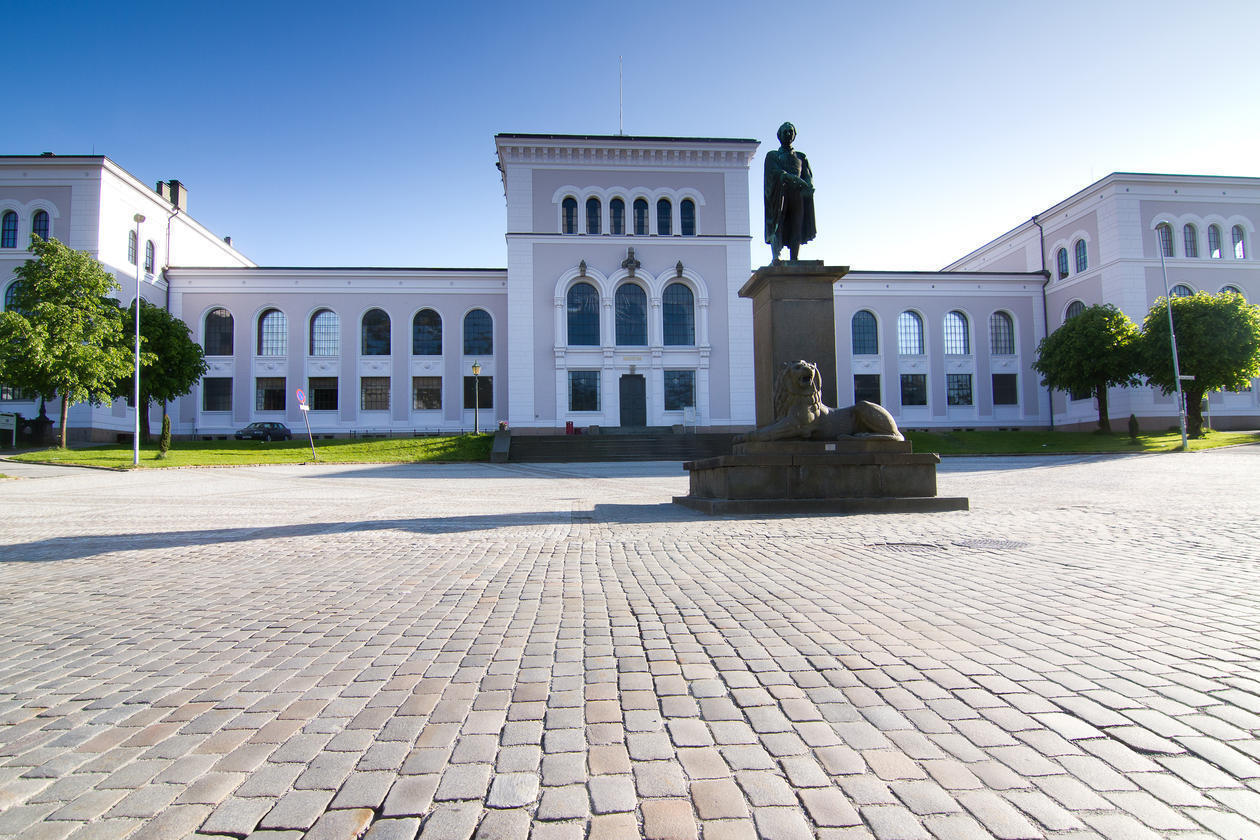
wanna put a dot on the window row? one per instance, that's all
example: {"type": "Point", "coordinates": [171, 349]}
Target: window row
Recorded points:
{"type": "Point", "coordinates": [1076, 307]}
{"type": "Point", "coordinates": [1082, 258]}
{"type": "Point", "coordinates": [41, 226]}
{"type": "Point", "coordinates": [1190, 241]}
{"type": "Point", "coordinates": [133, 247]}
{"type": "Point", "coordinates": [958, 388]}
{"type": "Point", "coordinates": [956, 333]}
{"type": "Point", "coordinates": [594, 213]}
{"type": "Point", "coordinates": [630, 315]}
{"type": "Point", "coordinates": [584, 390]}
{"type": "Point", "coordinates": [324, 333]}
{"type": "Point", "coordinates": [271, 394]}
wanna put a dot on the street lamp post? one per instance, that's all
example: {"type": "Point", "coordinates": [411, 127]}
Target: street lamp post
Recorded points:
{"type": "Point", "coordinates": [1181, 403]}
{"type": "Point", "coordinates": [135, 442]}
{"type": "Point", "coordinates": [476, 369]}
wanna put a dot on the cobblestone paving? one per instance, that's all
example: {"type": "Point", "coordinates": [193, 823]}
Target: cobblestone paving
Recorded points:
{"type": "Point", "coordinates": [557, 652]}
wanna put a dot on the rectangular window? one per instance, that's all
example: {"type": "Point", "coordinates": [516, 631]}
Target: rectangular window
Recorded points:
{"type": "Point", "coordinates": [583, 390]}
{"type": "Point", "coordinates": [269, 393]}
{"type": "Point", "coordinates": [426, 393]}
{"type": "Point", "coordinates": [485, 392]}
{"type": "Point", "coordinates": [866, 387]}
{"type": "Point", "coordinates": [1005, 391]}
{"type": "Point", "coordinates": [323, 394]}
{"type": "Point", "coordinates": [914, 389]}
{"type": "Point", "coordinates": [958, 389]}
{"type": "Point", "coordinates": [680, 389]}
{"type": "Point", "coordinates": [374, 393]}
{"type": "Point", "coordinates": [8, 393]}
{"type": "Point", "coordinates": [216, 393]}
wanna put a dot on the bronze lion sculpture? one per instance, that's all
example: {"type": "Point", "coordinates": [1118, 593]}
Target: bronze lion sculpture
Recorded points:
{"type": "Point", "coordinates": [802, 416]}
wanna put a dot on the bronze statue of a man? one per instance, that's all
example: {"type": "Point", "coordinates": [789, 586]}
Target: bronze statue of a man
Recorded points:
{"type": "Point", "coordinates": [789, 188]}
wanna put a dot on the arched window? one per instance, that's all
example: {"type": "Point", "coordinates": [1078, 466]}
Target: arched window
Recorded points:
{"type": "Point", "coordinates": [583, 304]}
{"type": "Point", "coordinates": [592, 215]}
{"type": "Point", "coordinates": [687, 217]}
{"type": "Point", "coordinates": [1240, 243]}
{"type": "Point", "coordinates": [664, 217]}
{"type": "Point", "coordinates": [375, 333]}
{"type": "Point", "coordinates": [39, 224]}
{"type": "Point", "coordinates": [1001, 334]}
{"type": "Point", "coordinates": [148, 256]}
{"type": "Point", "coordinates": [133, 247]}
{"type": "Point", "coordinates": [865, 334]}
{"type": "Point", "coordinates": [325, 333]}
{"type": "Point", "coordinates": [1163, 232]}
{"type": "Point", "coordinates": [426, 333]}
{"type": "Point", "coordinates": [1231, 289]}
{"type": "Point", "coordinates": [1190, 235]}
{"type": "Point", "coordinates": [678, 313]}
{"type": "Point", "coordinates": [630, 305]}
{"type": "Point", "coordinates": [218, 332]}
{"type": "Point", "coordinates": [1061, 259]}
{"type": "Point", "coordinates": [1082, 256]}
{"type": "Point", "coordinates": [10, 295]}
{"type": "Point", "coordinates": [568, 212]}
{"type": "Point", "coordinates": [1181, 290]}
{"type": "Point", "coordinates": [1074, 308]}
{"type": "Point", "coordinates": [640, 217]}
{"type": "Point", "coordinates": [1214, 242]}
{"type": "Point", "coordinates": [8, 230]}
{"type": "Point", "coordinates": [273, 333]}
{"type": "Point", "coordinates": [909, 334]}
{"type": "Point", "coordinates": [617, 217]}
{"type": "Point", "coordinates": [478, 333]}
{"type": "Point", "coordinates": [957, 341]}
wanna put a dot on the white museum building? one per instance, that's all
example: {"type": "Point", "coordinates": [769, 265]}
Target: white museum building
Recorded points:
{"type": "Point", "coordinates": [619, 302]}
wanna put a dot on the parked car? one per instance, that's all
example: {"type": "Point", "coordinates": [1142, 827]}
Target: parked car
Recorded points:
{"type": "Point", "coordinates": [264, 431]}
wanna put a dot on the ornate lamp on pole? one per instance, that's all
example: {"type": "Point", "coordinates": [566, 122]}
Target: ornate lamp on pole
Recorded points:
{"type": "Point", "coordinates": [135, 443]}
{"type": "Point", "coordinates": [476, 369]}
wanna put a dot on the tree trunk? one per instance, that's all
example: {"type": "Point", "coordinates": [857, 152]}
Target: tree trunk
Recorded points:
{"type": "Point", "coordinates": [145, 435]}
{"type": "Point", "coordinates": [1194, 412]}
{"type": "Point", "coordinates": [1104, 414]}
{"type": "Point", "coordinates": [65, 416]}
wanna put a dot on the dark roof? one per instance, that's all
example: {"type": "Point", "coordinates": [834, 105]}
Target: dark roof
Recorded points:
{"type": "Point", "coordinates": [632, 137]}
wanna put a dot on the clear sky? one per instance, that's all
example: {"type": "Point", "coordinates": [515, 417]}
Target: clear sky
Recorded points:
{"type": "Point", "coordinates": [319, 133]}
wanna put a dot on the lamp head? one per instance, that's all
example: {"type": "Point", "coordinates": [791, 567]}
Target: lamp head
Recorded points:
{"type": "Point", "coordinates": [476, 368]}
{"type": "Point", "coordinates": [139, 217]}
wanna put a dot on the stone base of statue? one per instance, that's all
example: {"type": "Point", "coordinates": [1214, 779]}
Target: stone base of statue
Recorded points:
{"type": "Point", "coordinates": [855, 475]}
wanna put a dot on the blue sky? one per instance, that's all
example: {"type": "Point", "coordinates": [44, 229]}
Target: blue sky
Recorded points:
{"type": "Point", "coordinates": [317, 133]}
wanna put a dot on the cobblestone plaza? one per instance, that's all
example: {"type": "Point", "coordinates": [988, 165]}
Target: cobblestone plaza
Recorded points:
{"type": "Point", "coordinates": [557, 652]}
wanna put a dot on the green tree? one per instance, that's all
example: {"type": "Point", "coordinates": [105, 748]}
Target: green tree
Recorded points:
{"type": "Point", "coordinates": [170, 364]}
{"type": "Point", "coordinates": [1218, 343]}
{"type": "Point", "coordinates": [63, 336]}
{"type": "Point", "coordinates": [1091, 352]}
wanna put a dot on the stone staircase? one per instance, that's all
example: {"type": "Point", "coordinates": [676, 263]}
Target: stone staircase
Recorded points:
{"type": "Point", "coordinates": [647, 445]}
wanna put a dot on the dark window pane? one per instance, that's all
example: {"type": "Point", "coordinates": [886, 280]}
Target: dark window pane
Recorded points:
{"type": "Point", "coordinates": [1063, 263]}
{"type": "Point", "coordinates": [1082, 256]}
{"type": "Point", "coordinates": [630, 305]}
{"type": "Point", "coordinates": [914, 389]}
{"type": "Point", "coordinates": [678, 307]}
{"type": "Point", "coordinates": [8, 230]}
{"type": "Point", "coordinates": [323, 393]}
{"type": "Point", "coordinates": [1214, 242]}
{"type": "Point", "coordinates": [1240, 243]}
{"type": "Point", "coordinates": [866, 387]}
{"type": "Point", "coordinates": [865, 334]}
{"type": "Point", "coordinates": [375, 333]}
{"type": "Point", "coordinates": [478, 333]}
{"type": "Point", "coordinates": [1191, 236]}
{"type": "Point", "coordinates": [1074, 308]}
{"type": "Point", "coordinates": [1164, 231]}
{"type": "Point", "coordinates": [583, 305]}
{"type": "Point", "coordinates": [374, 393]}
{"type": "Point", "coordinates": [10, 295]}
{"type": "Point", "coordinates": [1001, 334]}
{"type": "Point", "coordinates": [426, 333]}
{"type": "Point", "coordinates": [9, 393]}
{"type": "Point", "coordinates": [132, 246]}
{"type": "Point", "coordinates": [640, 217]}
{"type": "Point", "coordinates": [325, 333]}
{"type": "Point", "coordinates": [687, 217]}
{"type": "Point", "coordinates": [958, 388]}
{"type": "Point", "coordinates": [485, 392]}
{"type": "Point", "coordinates": [1004, 389]}
{"type": "Point", "coordinates": [569, 213]}
{"type": "Point", "coordinates": [1181, 290]}
{"type": "Point", "coordinates": [216, 393]}
{"type": "Point", "coordinates": [617, 217]}
{"type": "Point", "coordinates": [593, 222]}
{"type": "Point", "coordinates": [273, 333]}
{"type": "Point", "coordinates": [426, 393]}
{"type": "Point", "coordinates": [680, 389]}
{"type": "Point", "coordinates": [148, 256]}
{"type": "Point", "coordinates": [664, 217]}
{"type": "Point", "coordinates": [269, 393]}
{"type": "Point", "coordinates": [583, 390]}
{"type": "Point", "coordinates": [218, 332]}
{"type": "Point", "coordinates": [39, 224]}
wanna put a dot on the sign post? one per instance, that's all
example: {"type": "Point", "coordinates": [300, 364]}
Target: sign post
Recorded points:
{"type": "Point", "coordinates": [301, 398]}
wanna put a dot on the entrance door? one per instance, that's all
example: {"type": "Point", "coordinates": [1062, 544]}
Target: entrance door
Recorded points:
{"type": "Point", "coordinates": [633, 400]}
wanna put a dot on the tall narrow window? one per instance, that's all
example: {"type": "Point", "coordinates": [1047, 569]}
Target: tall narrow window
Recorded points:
{"type": "Point", "coordinates": [617, 217]}
{"type": "Point", "coordinates": [592, 215]}
{"type": "Point", "coordinates": [865, 335]}
{"type": "Point", "coordinates": [426, 333]}
{"type": "Point", "coordinates": [218, 334]}
{"type": "Point", "coordinates": [678, 312]}
{"type": "Point", "coordinates": [8, 230]}
{"type": "Point", "coordinates": [664, 217]}
{"type": "Point", "coordinates": [39, 224]}
{"type": "Point", "coordinates": [1240, 243]}
{"type": "Point", "coordinates": [630, 305]}
{"type": "Point", "coordinates": [1082, 256]}
{"type": "Point", "coordinates": [375, 333]}
{"type": "Point", "coordinates": [1061, 258]}
{"type": "Point", "coordinates": [10, 295]}
{"type": "Point", "coordinates": [568, 212]}
{"type": "Point", "coordinates": [1163, 231]}
{"type": "Point", "coordinates": [957, 340]}
{"type": "Point", "coordinates": [640, 217]}
{"type": "Point", "coordinates": [1074, 308]}
{"type": "Point", "coordinates": [687, 217]}
{"type": "Point", "coordinates": [478, 333]}
{"type": "Point", "coordinates": [1181, 290]}
{"type": "Point", "coordinates": [133, 247]}
{"type": "Point", "coordinates": [1001, 334]}
{"type": "Point", "coordinates": [583, 306]}
{"type": "Point", "coordinates": [1190, 234]}
{"type": "Point", "coordinates": [273, 333]}
{"type": "Point", "coordinates": [1214, 242]}
{"type": "Point", "coordinates": [909, 334]}
{"type": "Point", "coordinates": [148, 257]}
{"type": "Point", "coordinates": [325, 333]}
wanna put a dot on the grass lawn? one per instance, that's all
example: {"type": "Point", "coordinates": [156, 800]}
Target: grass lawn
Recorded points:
{"type": "Point", "coordinates": [1049, 443]}
{"type": "Point", "coordinates": [201, 453]}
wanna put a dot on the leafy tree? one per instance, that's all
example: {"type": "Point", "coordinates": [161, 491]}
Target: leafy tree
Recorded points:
{"type": "Point", "coordinates": [164, 442]}
{"type": "Point", "coordinates": [1218, 343]}
{"type": "Point", "coordinates": [63, 335]}
{"type": "Point", "coordinates": [1091, 352]}
{"type": "Point", "coordinates": [170, 364]}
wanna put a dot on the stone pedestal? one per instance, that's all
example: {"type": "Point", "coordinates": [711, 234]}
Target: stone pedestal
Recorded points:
{"type": "Point", "coordinates": [794, 317]}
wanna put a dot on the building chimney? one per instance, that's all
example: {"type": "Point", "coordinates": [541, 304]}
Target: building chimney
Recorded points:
{"type": "Point", "coordinates": [164, 190]}
{"type": "Point", "coordinates": [179, 195]}
{"type": "Point", "coordinates": [228, 240]}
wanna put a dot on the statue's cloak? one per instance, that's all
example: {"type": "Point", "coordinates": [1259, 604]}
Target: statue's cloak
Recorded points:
{"type": "Point", "coordinates": [778, 163]}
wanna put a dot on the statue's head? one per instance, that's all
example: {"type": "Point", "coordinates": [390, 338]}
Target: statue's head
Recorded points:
{"type": "Point", "coordinates": [787, 133]}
